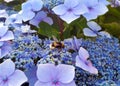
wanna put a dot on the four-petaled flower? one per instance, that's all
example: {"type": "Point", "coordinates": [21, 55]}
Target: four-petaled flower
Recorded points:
{"type": "Point", "coordinates": [9, 76]}
{"type": "Point", "coordinates": [29, 8]}
{"type": "Point", "coordinates": [52, 75]}
{"type": "Point", "coordinates": [95, 8]}
{"type": "Point", "coordinates": [70, 10]}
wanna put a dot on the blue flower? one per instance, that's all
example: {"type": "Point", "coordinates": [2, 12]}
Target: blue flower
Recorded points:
{"type": "Point", "coordinates": [29, 8]}
{"type": "Point", "coordinates": [70, 10]}
{"type": "Point", "coordinates": [8, 74]}
{"type": "Point", "coordinates": [95, 9]}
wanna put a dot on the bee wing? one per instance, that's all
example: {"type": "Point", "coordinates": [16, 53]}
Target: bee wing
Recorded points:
{"type": "Point", "coordinates": [89, 32]}
{"type": "Point", "coordinates": [94, 26]}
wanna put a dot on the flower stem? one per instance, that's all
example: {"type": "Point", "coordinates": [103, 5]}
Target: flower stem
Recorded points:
{"type": "Point", "coordinates": [61, 27]}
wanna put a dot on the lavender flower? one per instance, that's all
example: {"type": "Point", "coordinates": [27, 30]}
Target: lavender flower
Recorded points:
{"type": "Point", "coordinates": [10, 76]}
{"type": "Point", "coordinates": [70, 10]}
{"type": "Point", "coordinates": [29, 8]}
{"type": "Point", "coordinates": [51, 75]}
{"type": "Point", "coordinates": [95, 8]}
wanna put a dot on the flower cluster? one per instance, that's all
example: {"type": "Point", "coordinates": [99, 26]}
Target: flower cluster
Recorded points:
{"type": "Point", "coordinates": [26, 49]}
{"type": "Point", "coordinates": [104, 54]}
{"type": "Point", "coordinates": [49, 62]}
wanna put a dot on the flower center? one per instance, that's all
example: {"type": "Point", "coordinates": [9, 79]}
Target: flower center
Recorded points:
{"type": "Point", "coordinates": [70, 10]}
{"type": "Point", "coordinates": [55, 82]}
{"type": "Point", "coordinates": [5, 79]}
{"type": "Point", "coordinates": [90, 8]}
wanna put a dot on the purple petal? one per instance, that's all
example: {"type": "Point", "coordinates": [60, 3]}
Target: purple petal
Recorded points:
{"type": "Point", "coordinates": [83, 54]}
{"type": "Point", "coordinates": [7, 68]}
{"type": "Point", "coordinates": [77, 43]}
{"type": "Point", "coordinates": [46, 72]}
{"type": "Point", "coordinates": [31, 74]}
{"type": "Point", "coordinates": [48, 20]}
{"type": "Point", "coordinates": [6, 48]}
{"type": "Point", "coordinates": [26, 6]}
{"type": "Point", "coordinates": [69, 17]}
{"type": "Point", "coordinates": [88, 32]}
{"type": "Point", "coordinates": [91, 15]}
{"type": "Point", "coordinates": [43, 84]}
{"type": "Point", "coordinates": [104, 2]}
{"type": "Point", "coordinates": [80, 9]}
{"type": "Point", "coordinates": [3, 30]}
{"type": "Point", "coordinates": [101, 9]}
{"type": "Point", "coordinates": [3, 13]}
{"type": "Point", "coordinates": [72, 83]}
{"type": "Point", "coordinates": [36, 5]}
{"type": "Point", "coordinates": [8, 36]}
{"type": "Point", "coordinates": [27, 15]}
{"type": "Point", "coordinates": [94, 26]}
{"type": "Point", "coordinates": [1, 43]}
{"type": "Point", "coordinates": [71, 3]}
{"type": "Point", "coordinates": [38, 18]}
{"type": "Point", "coordinates": [4, 84]}
{"type": "Point", "coordinates": [0, 54]}
{"type": "Point", "coordinates": [17, 78]}
{"type": "Point", "coordinates": [60, 9]}
{"type": "Point", "coordinates": [66, 73]}
{"type": "Point", "coordinates": [86, 65]}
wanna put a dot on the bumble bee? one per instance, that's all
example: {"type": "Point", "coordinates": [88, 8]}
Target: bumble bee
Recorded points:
{"type": "Point", "coordinates": [56, 44]}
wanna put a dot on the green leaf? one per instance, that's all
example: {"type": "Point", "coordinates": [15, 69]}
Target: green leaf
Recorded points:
{"type": "Point", "coordinates": [47, 30]}
{"type": "Point", "coordinates": [113, 28]}
{"type": "Point", "coordinates": [113, 15]}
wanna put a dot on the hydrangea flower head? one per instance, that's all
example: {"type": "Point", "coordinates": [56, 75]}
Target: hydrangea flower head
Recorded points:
{"type": "Point", "coordinates": [52, 75]}
{"type": "Point", "coordinates": [70, 10]}
{"type": "Point", "coordinates": [9, 76]}
{"type": "Point", "coordinates": [83, 62]}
